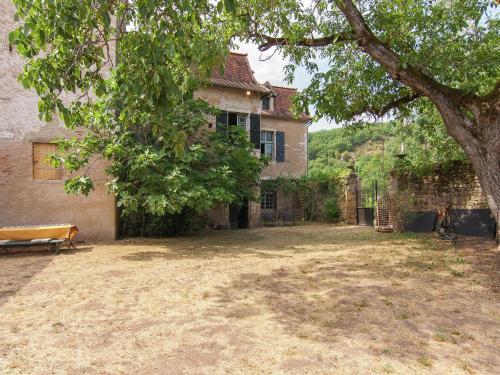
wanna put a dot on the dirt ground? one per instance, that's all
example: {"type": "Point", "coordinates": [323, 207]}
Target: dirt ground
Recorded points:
{"type": "Point", "coordinates": [293, 300]}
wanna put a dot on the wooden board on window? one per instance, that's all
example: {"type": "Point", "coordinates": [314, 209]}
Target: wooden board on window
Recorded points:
{"type": "Point", "coordinates": [42, 169]}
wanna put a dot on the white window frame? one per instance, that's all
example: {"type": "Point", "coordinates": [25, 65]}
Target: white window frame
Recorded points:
{"type": "Point", "coordinates": [241, 115]}
{"type": "Point", "coordinates": [273, 157]}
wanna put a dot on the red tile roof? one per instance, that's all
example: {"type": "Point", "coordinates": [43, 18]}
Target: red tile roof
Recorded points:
{"type": "Point", "coordinates": [238, 74]}
{"type": "Point", "coordinates": [283, 103]}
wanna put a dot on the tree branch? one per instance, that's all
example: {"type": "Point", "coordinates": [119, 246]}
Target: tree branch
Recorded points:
{"type": "Point", "coordinates": [380, 112]}
{"type": "Point", "coordinates": [399, 70]}
{"type": "Point", "coordinates": [306, 42]}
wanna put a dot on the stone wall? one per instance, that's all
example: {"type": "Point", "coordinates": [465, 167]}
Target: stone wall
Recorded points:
{"type": "Point", "coordinates": [24, 200]}
{"type": "Point", "coordinates": [348, 199]}
{"type": "Point", "coordinates": [455, 188]}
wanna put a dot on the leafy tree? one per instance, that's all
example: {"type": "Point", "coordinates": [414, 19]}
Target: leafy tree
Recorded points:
{"type": "Point", "coordinates": [307, 189]}
{"type": "Point", "coordinates": [406, 55]}
{"type": "Point", "coordinates": [126, 71]}
{"type": "Point", "coordinates": [426, 146]}
{"type": "Point", "coordinates": [375, 149]}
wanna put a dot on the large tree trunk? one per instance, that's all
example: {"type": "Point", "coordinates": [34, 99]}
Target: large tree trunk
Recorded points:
{"type": "Point", "coordinates": [481, 143]}
{"type": "Point", "coordinates": [474, 122]}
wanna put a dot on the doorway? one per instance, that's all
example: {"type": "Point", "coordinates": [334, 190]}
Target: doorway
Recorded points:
{"type": "Point", "coordinates": [238, 215]}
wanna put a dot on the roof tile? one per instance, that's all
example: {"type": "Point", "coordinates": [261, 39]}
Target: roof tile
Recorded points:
{"type": "Point", "coordinates": [238, 74]}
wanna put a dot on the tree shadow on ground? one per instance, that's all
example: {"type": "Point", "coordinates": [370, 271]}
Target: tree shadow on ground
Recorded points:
{"type": "Point", "coordinates": [18, 267]}
{"type": "Point", "coordinates": [402, 306]}
{"type": "Point", "coordinates": [264, 243]}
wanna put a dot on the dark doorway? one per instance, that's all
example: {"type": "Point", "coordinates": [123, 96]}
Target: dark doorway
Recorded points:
{"type": "Point", "coordinates": [365, 216]}
{"type": "Point", "coordinates": [238, 216]}
{"type": "Point", "coordinates": [366, 201]}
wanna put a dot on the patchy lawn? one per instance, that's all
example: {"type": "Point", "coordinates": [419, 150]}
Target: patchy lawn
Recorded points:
{"type": "Point", "coordinates": [298, 300]}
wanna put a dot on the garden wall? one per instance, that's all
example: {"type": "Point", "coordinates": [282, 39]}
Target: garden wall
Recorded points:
{"type": "Point", "coordinates": [456, 188]}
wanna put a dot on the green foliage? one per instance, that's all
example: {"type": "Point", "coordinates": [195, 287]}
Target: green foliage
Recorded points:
{"type": "Point", "coordinates": [310, 190]}
{"type": "Point", "coordinates": [332, 209]}
{"type": "Point", "coordinates": [148, 225]}
{"type": "Point", "coordinates": [455, 42]}
{"type": "Point", "coordinates": [374, 150]}
{"type": "Point", "coordinates": [426, 146]}
{"type": "Point", "coordinates": [138, 110]}
{"type": "Point", "coordinates": [361, 148]}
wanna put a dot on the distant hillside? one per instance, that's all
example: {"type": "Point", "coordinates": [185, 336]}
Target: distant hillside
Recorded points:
{"type": "Point", "coordinates": [333, 151]}
{"type": "Point", "coordinates": [373, 148]}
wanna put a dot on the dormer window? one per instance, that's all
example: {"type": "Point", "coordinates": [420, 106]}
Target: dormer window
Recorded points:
{"type": "Point", "coordinates": [266, 103]}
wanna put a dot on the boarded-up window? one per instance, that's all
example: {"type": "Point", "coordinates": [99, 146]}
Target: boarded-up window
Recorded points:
{"type": "Point", "coordinates": [42, 169]}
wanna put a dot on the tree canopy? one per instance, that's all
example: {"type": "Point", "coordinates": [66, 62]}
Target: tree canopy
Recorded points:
{"type": "Point", "coordinates": [413, 56]}
{"type": "Point", "coordinates": [455, 42]}
{"type": "Point", "coordinates": [126, 72]}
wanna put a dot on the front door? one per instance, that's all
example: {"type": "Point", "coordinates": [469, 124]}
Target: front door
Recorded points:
{"type": "Point", "coordinates": [238, 216]}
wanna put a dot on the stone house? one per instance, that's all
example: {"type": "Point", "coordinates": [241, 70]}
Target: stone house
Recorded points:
{"type": "Point", "coordinates": [32, 191]}
{"type": "Point", "coordinates": [263, 110]}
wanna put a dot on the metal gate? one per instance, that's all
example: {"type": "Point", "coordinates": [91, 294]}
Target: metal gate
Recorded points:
{"type": "Point", "coordinates": [366, 202]}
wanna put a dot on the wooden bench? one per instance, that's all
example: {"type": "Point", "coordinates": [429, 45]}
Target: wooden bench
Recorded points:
{"type": "Point", "coordinates": [53, 243]}
{"type": "Point", "coordinates": [53, 235]}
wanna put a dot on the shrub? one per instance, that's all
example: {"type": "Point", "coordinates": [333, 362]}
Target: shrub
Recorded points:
{"type": "Point", "coordinates": [332, 209]}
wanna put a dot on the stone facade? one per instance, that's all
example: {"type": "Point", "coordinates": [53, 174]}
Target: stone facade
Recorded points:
{"type": "Point", "coordinates": [349, 200]}
{"type": "Point", "coordinates": [29, 201]}
{"type": "Point", "coordinates": [237, 91]}
{"type": "Point", "coordinates": [24, 200]}
{"type": "Point", "coordinates": [455, 188]}
{"type": "Point", "coordinates": [295, 163]}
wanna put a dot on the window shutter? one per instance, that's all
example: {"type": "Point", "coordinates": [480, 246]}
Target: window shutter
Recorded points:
{"type": "Point", "coordinates": [280, 147]}
{"type": "Point", "coordinates": [42, 169]}
{"type": "Point", "coordinates": [221, 122]}
{"type": "Point", "coordinates": [255, 130]}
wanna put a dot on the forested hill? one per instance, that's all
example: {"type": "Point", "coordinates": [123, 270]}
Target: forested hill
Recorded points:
{"type": "Point", "coordinates": [372, 149]}
{"type": "Point", "coordinates": [332, 151]}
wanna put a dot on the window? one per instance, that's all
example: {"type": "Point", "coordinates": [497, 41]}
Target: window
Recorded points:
{"type": "Point", "coordinates": [237, 119]}
{"type": "Point", "coordinates": [268, 200]}
{"type": "Point", "coordinates": [242, 121]}
{"type": "Point", "coordinates": [266, 103]}
{"type": "Point", "coordinates": [267, 144]}
{"type": "Point", "coordinates": [42, 169]}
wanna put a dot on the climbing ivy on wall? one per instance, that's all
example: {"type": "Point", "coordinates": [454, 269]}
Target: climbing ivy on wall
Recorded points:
{"type": "Point", "coordinates": [318, 195]}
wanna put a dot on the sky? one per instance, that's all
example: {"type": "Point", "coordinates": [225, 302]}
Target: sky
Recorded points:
{"type": "Point", "coordinates": [272, 70]}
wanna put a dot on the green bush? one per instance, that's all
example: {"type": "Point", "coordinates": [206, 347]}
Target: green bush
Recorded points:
{"type": "Point", "coordinates": [332, 209]}
{"type": "Point", "coordinates": [148, 225]}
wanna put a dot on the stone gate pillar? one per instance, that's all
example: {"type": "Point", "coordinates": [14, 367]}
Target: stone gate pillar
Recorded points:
{"type": "Point", "coordinates": [349, 199]}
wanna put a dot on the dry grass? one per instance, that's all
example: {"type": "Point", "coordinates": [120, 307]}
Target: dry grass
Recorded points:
{"type": "Point", "coordinates": [301, 300]}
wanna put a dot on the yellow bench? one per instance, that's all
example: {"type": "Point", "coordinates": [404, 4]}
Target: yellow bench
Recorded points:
{"type": "Point", "coordinates": [52, 235]}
